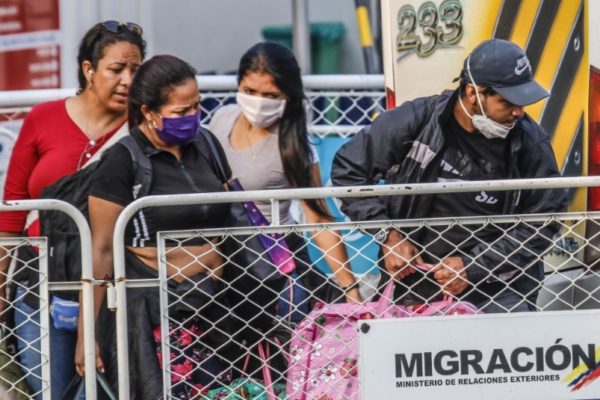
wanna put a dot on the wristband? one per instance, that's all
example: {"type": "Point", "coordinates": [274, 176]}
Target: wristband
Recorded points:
{"type": "Point", "coordinates": [348, 288]}
{"type": "Point", "coordinates": [382, 235]}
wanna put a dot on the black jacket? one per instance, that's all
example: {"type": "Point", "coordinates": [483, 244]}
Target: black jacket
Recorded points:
{"type": "Point", "coordinates": [404, 145]}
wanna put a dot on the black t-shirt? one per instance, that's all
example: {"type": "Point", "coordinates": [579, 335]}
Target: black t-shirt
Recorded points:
{"type": "Point", "coordinates": [467, 156]}
{"type": "Point", "coordinates": [114, 177]}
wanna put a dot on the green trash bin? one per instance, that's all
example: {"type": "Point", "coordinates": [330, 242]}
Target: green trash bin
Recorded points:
{"type": "Point", "coordinates": [325, 40]}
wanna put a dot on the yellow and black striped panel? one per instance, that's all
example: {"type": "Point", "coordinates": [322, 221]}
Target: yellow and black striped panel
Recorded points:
{"type": "Point", "coordinates": [554, 35]}
{"type": "Point", "coordinates": [552, 32]}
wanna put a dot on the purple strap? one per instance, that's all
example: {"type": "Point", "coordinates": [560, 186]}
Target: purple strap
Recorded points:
{"type": "Point", "coordinates": [274, 243]}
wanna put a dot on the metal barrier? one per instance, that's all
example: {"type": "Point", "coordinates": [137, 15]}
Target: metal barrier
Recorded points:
{"type": "Point", "coordinates": [86, 285]}
{"type": "Point", "coordinates": [338, 104]}
{"type": "Point", "coordinates": [191, 343]}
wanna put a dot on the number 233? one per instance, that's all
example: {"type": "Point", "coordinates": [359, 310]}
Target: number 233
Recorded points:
{"type": "Point", "coordinates": [449, 14]}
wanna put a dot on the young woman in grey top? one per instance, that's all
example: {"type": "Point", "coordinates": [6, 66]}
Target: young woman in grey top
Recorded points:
{"type": "Point", "coordinates": [266, 142]}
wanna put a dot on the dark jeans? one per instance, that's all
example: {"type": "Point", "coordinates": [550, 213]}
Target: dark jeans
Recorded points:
{"type": "Point", "coordinates": [62, 349]}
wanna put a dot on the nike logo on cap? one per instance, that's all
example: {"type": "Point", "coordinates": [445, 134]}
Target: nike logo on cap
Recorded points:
{"type": "Point", "coordinates": [522, 66]}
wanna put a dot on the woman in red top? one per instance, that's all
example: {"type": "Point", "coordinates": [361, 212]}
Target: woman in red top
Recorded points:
{"type": "Point", "coordinates": [57, 139]}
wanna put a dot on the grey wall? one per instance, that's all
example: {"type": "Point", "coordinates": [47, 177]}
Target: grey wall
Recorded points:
{"type": "Point", "coordinates": [213, 34]}
{"type": "Point", "coordinates": [210, 34]}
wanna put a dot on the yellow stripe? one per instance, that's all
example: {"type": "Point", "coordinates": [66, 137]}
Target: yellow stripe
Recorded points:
{"type": "Point", "coordinates": [581, 368]}
{"type": "Point", "coordinates": [578, 204]}
{"type": "Point", "coordinates": [492, 8]}
{"type": "Point", "coordinates": [571, 113]}
{"type": "Point", "coordinates": [577, 101]}
{"type": "Point", "coordinates": [551, 56]}
{"type": "Point", "coordinates": [567, 126]}
{"type": "Point", "coordinates": [364, 27]}
{"type": "Point", "coordinates": [524, 22]}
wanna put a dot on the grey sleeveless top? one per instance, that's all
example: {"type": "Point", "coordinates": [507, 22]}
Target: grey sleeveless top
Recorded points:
{"type": "Point", "coordinates": [258, 167]}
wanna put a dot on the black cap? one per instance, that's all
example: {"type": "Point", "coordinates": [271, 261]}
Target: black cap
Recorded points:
{"type": "Point", "coordinates": [504, 66]}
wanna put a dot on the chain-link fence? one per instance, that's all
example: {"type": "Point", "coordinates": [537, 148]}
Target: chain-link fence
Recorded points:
{"type": "Point", "coordinates": [337, 104]}
{"type": "Point", "coordinates": [219, 319]}
{"type": "Point", "coordinates": [232, 324]}
{"type": "Point", "coordinates": [24, 350]}
{"type": "Point", "coordinates": [30, 336]}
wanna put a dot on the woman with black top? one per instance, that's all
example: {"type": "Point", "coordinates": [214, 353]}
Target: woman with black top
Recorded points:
{"type": "Point", "coordinates": [164, 113]}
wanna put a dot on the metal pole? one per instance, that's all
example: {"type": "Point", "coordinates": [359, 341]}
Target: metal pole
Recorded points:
{"type": "Point", "coordinates": [301, 35]}
{"type": "Point", "coordinates": [87, 277]}
{"type": "Point", "coordinates": [370, 53]}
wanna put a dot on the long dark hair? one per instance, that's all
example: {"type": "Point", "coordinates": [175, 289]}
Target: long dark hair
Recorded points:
{"type": "Point", "coordinates": [153, 82]}
{"type": "Point", "coordinates": [296, 155]}
{"type": "Point", "coordinates": [95, 41]}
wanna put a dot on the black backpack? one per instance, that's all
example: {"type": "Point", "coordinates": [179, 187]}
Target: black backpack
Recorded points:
{"type": "Point", "coordinates": [64, 244]}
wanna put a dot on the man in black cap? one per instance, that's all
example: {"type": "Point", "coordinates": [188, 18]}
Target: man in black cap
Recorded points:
{"type": "Point", "coordinates": [477, 132]}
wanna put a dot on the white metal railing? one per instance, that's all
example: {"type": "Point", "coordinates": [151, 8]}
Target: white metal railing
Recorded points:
{"type": "Point", "coordinates": [86, 284]}
{"type": "Point", "coordinates": [338, 104]}
{"type": "Point", "coordinates": [122, 283]}
{"type": "Point", "coordinates": [225, 83]}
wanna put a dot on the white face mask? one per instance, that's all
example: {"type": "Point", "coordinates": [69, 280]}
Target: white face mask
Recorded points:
{"type": "Point", "coordinates": [487, 126]}
{"type": "Point", "coordinates": [261, 112]}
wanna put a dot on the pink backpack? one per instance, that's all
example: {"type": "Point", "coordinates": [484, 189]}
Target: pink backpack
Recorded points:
{"type": "Point", "coordinates": [323, 352]}
{"type": "Point", "coordinates": [324, 348]}
{"type": "Point", "coordinates": [443, 307]}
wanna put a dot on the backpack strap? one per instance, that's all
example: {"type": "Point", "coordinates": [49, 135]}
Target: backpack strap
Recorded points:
{"type": "Point", "coordinates": [118, 135]}
{"type": "Point", "coordinates": [34, 215]}
{"type": "Point", "coordinates": [214, 155]}
{"type": "Point", "coordinates": [141, 165]}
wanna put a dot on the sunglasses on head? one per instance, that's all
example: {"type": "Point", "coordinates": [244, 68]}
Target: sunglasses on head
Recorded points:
{"type": "Point", "coordinates": [115, 27]}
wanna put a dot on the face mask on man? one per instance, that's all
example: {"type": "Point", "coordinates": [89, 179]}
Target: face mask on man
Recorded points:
{"type": "Point", "coordinates": [179, 130]}
{"type": "Point", "coordinates": [487, 126]}
{"type": "Point", "coordinates": [260, 111]}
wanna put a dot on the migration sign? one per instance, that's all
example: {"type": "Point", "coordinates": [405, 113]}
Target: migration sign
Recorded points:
{"type": "Point", "coordinates": [546, 355]}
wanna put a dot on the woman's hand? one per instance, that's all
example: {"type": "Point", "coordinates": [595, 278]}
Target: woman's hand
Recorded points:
{"type": "Point", "coordinates": [80, 357]}
{"type": "Point", "coordinates": [353, 296]}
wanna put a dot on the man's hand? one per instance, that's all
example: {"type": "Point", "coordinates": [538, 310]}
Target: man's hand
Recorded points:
{"type": "Point", "coordinates": [450, 273]}
{"type": "Point", "coordinates": [80, 361]}
{"type": "Point", "coordinates": [398, 255]}
{"type": "Point", "coordinates": [353, 296]}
